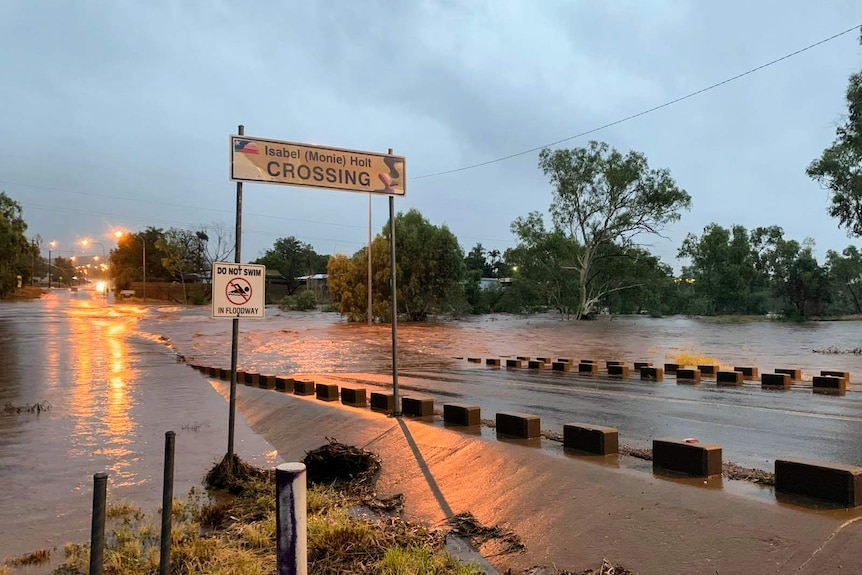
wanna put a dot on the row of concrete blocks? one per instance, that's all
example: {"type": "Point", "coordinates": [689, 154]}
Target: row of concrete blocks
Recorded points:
{"type": "Point", "coordinates": [823, 480]}
{"type": "Point", "coordinates": [828, 380]}
{"type": "Point", "coordinates": [834, 482]}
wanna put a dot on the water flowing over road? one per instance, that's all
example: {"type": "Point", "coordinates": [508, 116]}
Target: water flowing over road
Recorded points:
{"type": "Point", "coordinates": [109, 373]}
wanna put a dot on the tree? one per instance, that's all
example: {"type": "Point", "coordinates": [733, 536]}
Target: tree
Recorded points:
{"type": "Point", "coordinates": [839, 168]}
{"type": "Point", "coordinates": [293, 258]}
{"type": "Point", "coordinates": [128, 257]}
{"type": "Point", "coordinates": [602, 197]}
{"type": "Point", "coordinates": [795, 278]}
{"type": "Point", "coordinates": [181, 257]}
{"type": "Point", "coordinates": [16, 252]}
{"type": "Point", "coordinates": [723, 268]}
{"type": "Point", "coordinates": [845, 272]}
{"type": "Point", "coordinates": [348, 282]}
{"type": "Point", "coordinates": [544, 262]}
{"type": "Point", "coordinates": [429, 270]}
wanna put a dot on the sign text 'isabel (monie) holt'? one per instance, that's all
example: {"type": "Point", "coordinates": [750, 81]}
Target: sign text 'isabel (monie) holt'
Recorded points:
{"type": "Point", "coordinates": [292, 164]}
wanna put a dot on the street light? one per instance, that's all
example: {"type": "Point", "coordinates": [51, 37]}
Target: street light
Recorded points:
{"type": "Point", "coordinates": [51, 245]}
{"type": "Point", "coordinates": [86, 243]}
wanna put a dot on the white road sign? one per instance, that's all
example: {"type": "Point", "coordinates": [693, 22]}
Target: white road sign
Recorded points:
{"type": "Point", "coordinates": [293, 164]}
{"type": "Point", "coordinates": [238, 290]}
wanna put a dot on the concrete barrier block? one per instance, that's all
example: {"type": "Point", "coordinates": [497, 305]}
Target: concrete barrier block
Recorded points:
{"type": "Point", "coordinates": [303, 387]}
{"type": "Point", "coordinates": [834, 482]}
{"type": "Point", "coordinates": [523, 357]}
{"type": "Point", "coordinates": [749, 373]}
{"type": "Point", "coordinates": [707, 370]}
{"type": "Point", "coordinates": [652, 373]}
{"type": "Point", "coordinates": [611, 362]}
{"type": "Point", "coordinates": [829, 382]}
{"type": "Point", "coordinates": [267, 381]}
{"type": "Point", "coordinates": [566, 360]}
{"type": "Point", "coordinates": [462, 414]}
{"type": "Point", "coordinates": [518, 425]}
{"type": "Point", "coordinates": [240, 377]}
{"type": "Point", "coordinates": [544, 359]}
{"type": "Point", "coordinates": [618, 371]}
{"type": "Point", "coordinates": [695, 459]}
{"type": "Point", "coordinates": [729, 378]}
{"type": "Point", "coordinates": [252, 379]}
{"type": "Point", "coordinates": [561, 366]}
{"type": "Point", "coordinates": [492, 362]}
{"type": "Point", "coordinates": [671, 368]}
{"type": "Point", "coordinates": [474, 359]}
{"type": "Point", "coordinates": [353, 396]}
{"type": "Point", "coordinates": [536, 364]}
{"type": "Point", "coordinates": [845, 375]}
{"type": "Point", "coordinates": [775, 380]}
{"type": "Point", "coordinates": [639, 365]}
{"type": "Point", "coordinates": [384, 402]}
{"type": "Point", "coordinates": [588, 361]}
{"type": "Point", "coordinates": [514, 363]}
{"type": "Point", "coordinates": [223, 373]}
{"type": "Point", "coordinates": [284, 383]}
{"type": "Point", "coordinates": [688, 375]}
{"type": "Point", "coordinates": [588, 368]}
{"type": "Point", "coordinates": [591, 438]}
{"type": "Point", "coordinates": [326, 391]}
{"type": "Point", "coordinates": [417, 407]}
{"type": "Point", "coordinates": [795, 374]}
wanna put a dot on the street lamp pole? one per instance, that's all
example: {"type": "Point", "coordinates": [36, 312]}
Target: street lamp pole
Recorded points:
{"type": "Point", "coordinates": [144, 264]}
{"type": "Point", "coordinates": [51, 244]}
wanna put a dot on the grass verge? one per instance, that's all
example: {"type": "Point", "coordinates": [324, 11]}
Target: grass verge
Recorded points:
{"type": "Point", "coordinates": [233, 530]}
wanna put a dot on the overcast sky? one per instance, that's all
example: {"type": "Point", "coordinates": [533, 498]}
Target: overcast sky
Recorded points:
{"type": "Point", "coordinates": [117, 114]}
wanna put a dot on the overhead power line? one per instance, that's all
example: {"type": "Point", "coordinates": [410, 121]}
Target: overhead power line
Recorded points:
{"type": "Point", "coordinates": [644, 112]}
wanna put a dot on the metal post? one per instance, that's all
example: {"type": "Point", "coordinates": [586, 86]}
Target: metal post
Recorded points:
{"type": "Point", "coordinates": [97, 530]}
{"type": "Point", "coordinates": [370, 316]}
{"type": "Point", "coordinates": [144, 262]}
{"type": "Point", "coordinates": [393, 307]}
{"type": "Point", "coordinates": [290, 513]}
{"type": "Point", "coordinates": [167, 504]}
{"type": "Point", "coordinates": [235, 327]}
{"type": "Point", "coordinates": [49, 268]}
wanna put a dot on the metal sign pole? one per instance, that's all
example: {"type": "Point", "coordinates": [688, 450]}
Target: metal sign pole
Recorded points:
{"type": "Point", "coordinates": [370, 316]}
{"type": "Point", "coordinates": [396, 404]}
{"type": "Point", "coordinates": [235, 321]}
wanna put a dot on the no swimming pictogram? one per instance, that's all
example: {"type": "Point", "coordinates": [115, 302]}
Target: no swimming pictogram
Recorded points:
{"type": "Point", "coordinates": [238, 291]}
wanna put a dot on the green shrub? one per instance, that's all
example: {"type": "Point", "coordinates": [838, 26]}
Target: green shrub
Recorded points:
{"type": "Point", "coordinates": [303, 301]}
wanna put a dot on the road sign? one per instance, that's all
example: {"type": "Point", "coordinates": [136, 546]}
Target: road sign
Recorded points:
{"type": "Point", "coordinates": [275, 162]}
{"type": "Point", "coordinates": [238, 290]}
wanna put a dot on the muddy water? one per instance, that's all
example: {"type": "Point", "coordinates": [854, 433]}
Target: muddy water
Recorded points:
{"type": "Point", "coordinates": [753, 426]}
{"type": "Point", "coordinates": [109, 372]}
{"type": "Point", "coordinates": [112, 397]}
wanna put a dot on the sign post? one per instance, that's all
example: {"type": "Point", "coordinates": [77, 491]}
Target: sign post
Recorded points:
{"type": "Point", "coordinates": [265, 161]}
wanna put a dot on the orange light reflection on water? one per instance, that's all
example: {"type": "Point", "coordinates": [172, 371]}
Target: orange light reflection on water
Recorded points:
{"type": "Point", "coordinates": [100, 402]}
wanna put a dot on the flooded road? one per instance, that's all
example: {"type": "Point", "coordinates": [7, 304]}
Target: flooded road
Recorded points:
{"type": "Point", "coordinates": [109, 373]}
{"type": "Point", "coordinates": [112, 396]}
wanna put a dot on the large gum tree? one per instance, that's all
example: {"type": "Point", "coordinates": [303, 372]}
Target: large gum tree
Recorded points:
{"type": "Point", "coordinates": [839, 168]}
{"type": "Point", "coordinates": [603, 198]}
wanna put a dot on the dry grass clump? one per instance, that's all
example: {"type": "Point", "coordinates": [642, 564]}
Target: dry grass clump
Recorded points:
{"type": "Point", "coordinates": [232, 532]}
{"type": "Point", "coordinates": [493, 540]}
{"type": "Point", "coordinates": [606, 568]}
{"type": "Point", "coordinates": [35, 558]}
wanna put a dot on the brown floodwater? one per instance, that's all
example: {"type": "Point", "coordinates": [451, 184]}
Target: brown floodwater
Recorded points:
{"type": "Point", "coordinates": [109, 372]}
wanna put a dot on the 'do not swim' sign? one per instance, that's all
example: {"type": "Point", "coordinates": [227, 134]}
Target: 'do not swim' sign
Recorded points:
{"type": "Point", "coordinates": [238, 290]}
